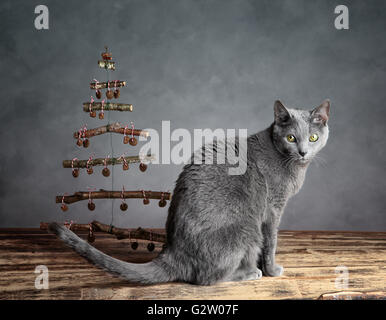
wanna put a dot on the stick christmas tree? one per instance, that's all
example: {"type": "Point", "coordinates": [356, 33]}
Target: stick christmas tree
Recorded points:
{"type": "Point", "coordinates": [129, 133]}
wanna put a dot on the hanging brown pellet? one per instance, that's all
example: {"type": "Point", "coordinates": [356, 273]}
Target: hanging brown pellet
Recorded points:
{"type": "Point", "coordinates": [75, 173]}
{"type": "Point", "coordinates": [106, 172]}
{"type": "Point", "coordinates": [142, 167]}
{"type": "Point", "coordinates": [91, 206]}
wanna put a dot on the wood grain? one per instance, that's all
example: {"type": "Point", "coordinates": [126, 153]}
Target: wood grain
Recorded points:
{"type": "Point", "coordinates": [309, 259]}
{"type": "Point", "coordinates": [108, 106]}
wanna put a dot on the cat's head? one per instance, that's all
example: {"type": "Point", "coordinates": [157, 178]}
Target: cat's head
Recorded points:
{"type": "Point", "coordinates": [300, 134]}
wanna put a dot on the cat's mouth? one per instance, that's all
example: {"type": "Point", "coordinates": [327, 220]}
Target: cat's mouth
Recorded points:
{"type": "Point", "coordinates": [303, 161]}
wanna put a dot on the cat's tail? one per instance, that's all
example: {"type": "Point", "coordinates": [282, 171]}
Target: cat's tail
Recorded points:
{"type": "Point", "coordinates": [155, 271]}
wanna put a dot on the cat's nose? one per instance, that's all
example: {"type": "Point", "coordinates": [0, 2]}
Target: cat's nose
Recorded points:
{"type": "Point", "coordinates": [302, 153]}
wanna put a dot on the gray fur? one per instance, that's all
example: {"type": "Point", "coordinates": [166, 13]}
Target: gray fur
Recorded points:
{"type": "Point", "coordinates": [223, 227]}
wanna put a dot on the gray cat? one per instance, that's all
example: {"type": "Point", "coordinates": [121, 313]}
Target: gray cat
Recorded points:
{"type": "Point", "coordinates": [223, 227]}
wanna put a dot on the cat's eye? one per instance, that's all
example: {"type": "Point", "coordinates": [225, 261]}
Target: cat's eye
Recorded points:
{"type": "Point", "coordinates": [314, 137]}
{"type": "Point", "coordinates": [291, 138]}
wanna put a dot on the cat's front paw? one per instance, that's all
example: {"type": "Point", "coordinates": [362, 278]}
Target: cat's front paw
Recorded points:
{"type": "Point", "coordinates": [253, 275]}
{"type": "Point", "coordinates": [273, 270]}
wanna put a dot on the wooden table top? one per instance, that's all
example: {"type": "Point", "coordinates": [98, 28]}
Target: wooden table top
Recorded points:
{"type": "Point", "coordinates": [309, 258]}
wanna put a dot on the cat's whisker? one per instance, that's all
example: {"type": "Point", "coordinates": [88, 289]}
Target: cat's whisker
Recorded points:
{"type": "Point", "coordinates": [287, 162]}
{"type": "Point", "coordinates": [319, 161]}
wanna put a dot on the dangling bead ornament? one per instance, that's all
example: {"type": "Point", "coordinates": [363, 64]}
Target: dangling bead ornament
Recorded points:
{"type": "Point", "coordinates": [101, 114]}
{"type": "Point", "coordinates": [98, 93]}
{"type": "Point", "coordinates": [92, 112]}
{"type": "Point", "coordinates": [150, 245]}
{"type": "Point", "coordinates": [63, 206]}
{"type": "Point", "coordinates": [79, 142]}
{"type": "Point", "coordinates": [86, 142]}
{"type": "Point", "coordinates": [75, 171]}
{"type": "Point", "coordinates": [116, 90]}
{"type": "Point", "coordinates": [134, 245]}
{"type": "Point", "coordinates": [88, 166]}
{"type": "Point", "coordinates": [123, 205]}
{"type": "Point", "coordinates": [162, 203]}
{"type": "Point", "coordinates": [145, 199]}
{"type": "Point", "coordinates": [142, 167]}
{"type": "Point", "coordinates": [109, 93]}
{"type": "Point", "coordinates": [125, 136]}
{"type": "Point", "coordinates": [90, 205]}
{"type": "Point", "coordinates": [106, 171]}
{"type": "Point", "coordinates": [132, 140]}
{"type": "Point", "coordinates": [91, 236]}
{"type": "Point", "coordinates": [125, 165]}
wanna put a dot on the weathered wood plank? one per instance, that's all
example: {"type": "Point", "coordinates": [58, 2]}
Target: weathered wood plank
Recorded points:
{"type": "Point", "coordinates": [309, 258]}
{"type": "Point", "coordinates": [349, 295]}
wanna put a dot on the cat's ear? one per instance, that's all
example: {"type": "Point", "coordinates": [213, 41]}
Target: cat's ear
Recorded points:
{"type": "Point", "coordinates": [281, 113]}
{"type": "Point", "coordinates": [321, 113]}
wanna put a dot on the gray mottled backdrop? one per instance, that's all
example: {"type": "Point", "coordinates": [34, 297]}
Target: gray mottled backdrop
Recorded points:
{"type": "Point", "coordinates": [199, 64]}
